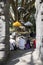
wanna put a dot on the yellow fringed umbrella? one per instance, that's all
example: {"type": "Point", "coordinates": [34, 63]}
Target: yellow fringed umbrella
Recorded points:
{"type": "Point", "coordinates": [17, 24]}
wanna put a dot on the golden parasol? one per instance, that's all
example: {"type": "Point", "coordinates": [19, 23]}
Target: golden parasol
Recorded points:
{"type": "Point", "coordinates": [17, 24]}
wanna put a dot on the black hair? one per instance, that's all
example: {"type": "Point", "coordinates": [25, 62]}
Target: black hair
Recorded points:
{"type": "Point", "coordinates": [41, 1]}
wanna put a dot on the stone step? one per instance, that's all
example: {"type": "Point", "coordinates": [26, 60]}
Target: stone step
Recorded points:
{"type": "Point", "coordinates": [2, 4]}
{"type": "Point", "coordinates": [2, 46]}
{"type": "Point", "coordinates": [2, 55]}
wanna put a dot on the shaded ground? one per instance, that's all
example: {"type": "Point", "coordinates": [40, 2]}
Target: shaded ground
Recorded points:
{"type": "Point", "coordinates": [24, 57]}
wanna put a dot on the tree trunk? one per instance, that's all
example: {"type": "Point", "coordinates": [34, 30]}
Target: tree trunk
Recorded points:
{"type": "Point", "coordinates": [6, 13]}
{"type": "Point", "coordinates": [16, 16]}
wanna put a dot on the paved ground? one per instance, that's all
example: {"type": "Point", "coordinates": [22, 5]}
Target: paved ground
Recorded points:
{"type": "Point", "coordinates": [24, 57]}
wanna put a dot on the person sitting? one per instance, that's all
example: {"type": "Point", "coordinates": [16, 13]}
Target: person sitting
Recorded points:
{"type": "Point", "coordinates": [22, 43]}
{"type": "Point", "coordinates": [12, 43]}
{"type": "Point", "coordinates": [27, 45]}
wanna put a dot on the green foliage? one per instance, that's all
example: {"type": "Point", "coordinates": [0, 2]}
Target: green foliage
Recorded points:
{"type": "Point", "coordinates": [29, 10]}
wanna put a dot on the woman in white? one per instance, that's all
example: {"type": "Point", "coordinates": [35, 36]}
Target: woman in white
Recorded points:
{"type": "Point", "coordinates": [12, 43]}
{"type": "Point", "coordinates": [22, 43]}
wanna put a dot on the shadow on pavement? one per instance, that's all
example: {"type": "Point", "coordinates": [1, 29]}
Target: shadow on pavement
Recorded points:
{"type": "Point", "coordinates": [15, 55]}
{"type": "Point", "coordinates": [32, 61]}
